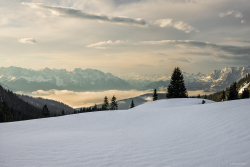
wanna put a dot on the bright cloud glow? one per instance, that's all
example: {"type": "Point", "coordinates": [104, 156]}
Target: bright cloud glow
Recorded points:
{"type": "Point", "coordinates": [178, 25]}
{"type": "Point", "coordinates": [102, 45]}
{"type": "Point", "coordinates": [85, 99]}
{"type": "Point", "coordinates": [27, 40]}
{"type": "Point", "coordinates": [235, 13]}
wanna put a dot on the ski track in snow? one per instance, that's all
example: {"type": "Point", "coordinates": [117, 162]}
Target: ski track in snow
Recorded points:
{"type": "Point", "coordinates": [174, 132]}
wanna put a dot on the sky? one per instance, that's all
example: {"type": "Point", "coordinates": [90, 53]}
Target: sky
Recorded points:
{"type": "Point", "coordinates": [140, 36]}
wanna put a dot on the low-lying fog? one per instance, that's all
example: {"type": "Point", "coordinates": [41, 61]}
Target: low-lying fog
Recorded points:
{"type": "Point", "coordinates": [86, 99]}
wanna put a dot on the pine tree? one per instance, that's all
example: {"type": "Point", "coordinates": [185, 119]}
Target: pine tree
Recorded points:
{"type": "Point", "coordinates": [132, 104]}
{"type": "Point", "coordinates": [45, 112]}
{"type": "Point", "coordinates": [233, 93]}
{"type": "Point", "coordinates": [63, 112]}
{"type": "Point", "coordinates": [245, 94]}
{"type": "Point", "coordinates": [223, 96]}
{"type": "Point", "coordinates": [177, 88]}
{"type": "Point", "coordinates": [105, 105]}
{"type": "Point", "coordinates": [113, 105]}
{"type": "Point", "coordinates": [199, 96]}
{"type": "Point", "coordinates": [205, 97]}
{"type": "Point", "coordinates": [155, 95]}
{"type": "Point", "coordinates": [5, 114]}
{"type": "Point", "coordinates": [95, 108]}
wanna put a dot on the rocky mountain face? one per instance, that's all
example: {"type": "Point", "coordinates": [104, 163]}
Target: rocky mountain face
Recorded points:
{"type": "Point", "coordinates": [28, 80]}
{"type": "Point", "coordinates": [215, 81]}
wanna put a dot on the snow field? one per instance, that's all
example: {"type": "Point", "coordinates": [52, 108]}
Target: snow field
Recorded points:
{"type": "Point", "coordinates": [174, 132]}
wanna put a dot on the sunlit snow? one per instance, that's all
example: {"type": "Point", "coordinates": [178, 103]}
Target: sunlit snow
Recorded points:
{"type": "Point", "coordinates": [175, 132]}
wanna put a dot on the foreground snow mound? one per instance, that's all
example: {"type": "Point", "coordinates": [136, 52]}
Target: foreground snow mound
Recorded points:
{"type": "Point", "coordinates": [210, 134]}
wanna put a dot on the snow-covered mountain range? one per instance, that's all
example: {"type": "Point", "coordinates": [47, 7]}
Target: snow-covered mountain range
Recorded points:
{"type": "Point", "coordinates": [217, 80]}
{"type": "Point", "coordinates": [21, 79]}
{"type": "Point", "coordinates": [28, 80]}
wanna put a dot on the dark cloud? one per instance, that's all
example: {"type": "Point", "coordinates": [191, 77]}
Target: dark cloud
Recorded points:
{"type": "Point", "coordinates": [181, 59]}
{"type": "Point", "coordinates": [244, 58]}
{"type": "Point", "coordinates": [74, 13]}
{"type": "Point", "coordinates": [162, 54]}
{"type": "Point", "coordinates": [238, 40]}
{"type": "Point", "coordinates": [197, 53]}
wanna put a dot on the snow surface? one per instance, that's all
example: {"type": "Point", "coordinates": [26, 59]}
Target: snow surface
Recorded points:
{"type": "Point", "coordinates": [175, 132]}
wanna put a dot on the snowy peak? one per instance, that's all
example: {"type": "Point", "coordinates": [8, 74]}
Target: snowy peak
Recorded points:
{"type": "Point", "coordinates": [45, 79]}
{"type": "Point", "coordinates": [217, 80]}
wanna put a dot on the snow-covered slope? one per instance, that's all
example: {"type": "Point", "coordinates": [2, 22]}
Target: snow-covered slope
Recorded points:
{"type": "Point", "coordinates": [21, 79]}
{"type": "Point", "coordinates": [244, 86]}
{"type": "Point", "coordinates": [176, 132]}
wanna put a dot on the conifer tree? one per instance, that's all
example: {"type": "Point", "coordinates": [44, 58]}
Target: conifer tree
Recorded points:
{"type": "Point", "coordinates": [233, 93]}
{"type": "Point", "coordinates": [5, 115]}
{"type": "Point", "coordinates": [45, 112]}
{"type": "Point", "coordinates": [223, 96]}
{"type": "Point", "coordinates": [245, 94]}
{"type": "Point", "coordinates": [63, 112]}
{"type": "Point", "coordinates": [132, 104]}
{"type": "Point", "coordinates": [94, 108]}
{"type": "Point", "coordinates": [113, 105]}
{"type": "Point", "coordinates": [205, 97]}
{"type": "Point", "coordinates": [176, 88]}
{"type": "Point", "coordinates": [105, 105]}
{"type": "Point", "coordinates": [155, 95]}
{"type": "Point", "coordinates": [199, 96]}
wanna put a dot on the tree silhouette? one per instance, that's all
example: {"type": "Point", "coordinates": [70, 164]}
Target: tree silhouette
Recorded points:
{"type": "Point", "coordinates": [176, 88]}
{"type": "Point", "coordinates": [45, 112]}
{"type": "Point", "coordinates": [132, 104]}
{"type": "Point", "coordinates": [155, 95]}
{"type": "Point", "coordinates": [113, 105]}
{"type": "Point", "coordinates": [233, 93]}
{"type": "Point", "coordinates": [105, 105]}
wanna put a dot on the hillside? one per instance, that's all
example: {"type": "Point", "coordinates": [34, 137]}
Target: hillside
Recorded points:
{"type": "Point", "coordinates": [55, 107]}
{"type": "Point", "coordinates": [16, 109]}
{"type": "Point", "coordinates": [174, 132]}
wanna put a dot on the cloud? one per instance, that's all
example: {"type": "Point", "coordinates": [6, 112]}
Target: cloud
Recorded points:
{"type": "Point", "coordinates": [181, 59]}
{"type": "Point", "coordinates": [27, 40]}
{"type": "Point", "coordinates": [238, 40]}
{"type": "Point", "coordinates": [236, 50]}
{"type": "Point", "coordinates": [162, 54]}
{"type": "Point", "coordinates": [161, 61]}
{"type": "Point", "coordinates": [197, 53]}
{"type": "Point", "coordinates": [105, 44]}
{"type": "Point", "coordinates": [178, 25]}
{"type": "Point", "coordinates": [85, 99]}
{"type": "Point", "coordinates": [4, 21]}
{"type": "Point", "coordinates": [75, 13]}
{"type": "Point", "coordinates": [243, 21]}
{"type": "Point", "coordinates": [236, 14]}
{"type": "Point", "coordinates": [241, 58]}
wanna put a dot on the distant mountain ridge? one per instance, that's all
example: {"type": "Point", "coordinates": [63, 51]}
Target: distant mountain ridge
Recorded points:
{"type": "Point", "coordinates": [21, 79]}
{"type": "Point", "coordinates": [215, 81]}
{"type": "Point", "coordinates": [28, 80]}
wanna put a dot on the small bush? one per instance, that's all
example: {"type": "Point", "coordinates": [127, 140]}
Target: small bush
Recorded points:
{"type": "Point", "coordinates": [203, 101]}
